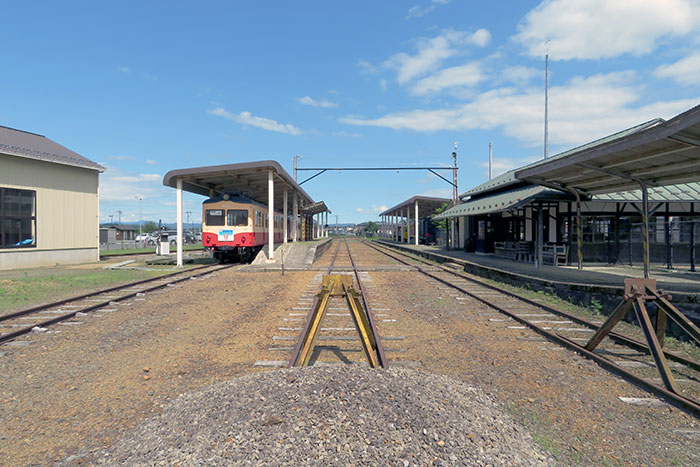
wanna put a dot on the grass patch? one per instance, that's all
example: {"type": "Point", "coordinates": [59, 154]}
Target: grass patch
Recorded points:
{"type": "Point", "coordinates": [150, 249]}
{"type": "Point", "coordinates": [25, 290]}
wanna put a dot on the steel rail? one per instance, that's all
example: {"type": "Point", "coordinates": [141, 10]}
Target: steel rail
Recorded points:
{"type": "Point", "coordinates": [687, 404]}
{"type": "Point", "coordinates": [71, 314]}
{"type": "Point", "coordinates": [92, 294]}
{"type": "Point", "coordinates": [335, 254]}
{"type": "Point", "coordinates": [383, 362]}
{"type": "Point", "coordinates": [615, 336]}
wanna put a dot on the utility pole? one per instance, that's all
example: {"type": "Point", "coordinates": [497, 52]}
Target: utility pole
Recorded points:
{"type": "Point", "coordinates": [111, 219]}
{"type": "Point", "coordinates": [455, 198]}
{"type": "Point", "coordinates": [187, 213]}
{"type": "Point", "coordinates": [139, 198]}
{"type": "Point", "coordinates": [490, 161]}
{"type": "Point", "coordinates": [295, 160]}
{"type": "Point", "coordinates": [546, 99]}
{"type": "Point", "coordinates": [120, 223]}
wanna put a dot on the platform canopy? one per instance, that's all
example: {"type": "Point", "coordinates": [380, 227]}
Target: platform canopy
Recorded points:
{"type": "Point", "coordinates": [503, 201]}
{"type": "Point", "coordinates": [248, 178]}
{"type": "Point", "coordinates": [426, 206]}
{"type": "Point", "coordinates": [658, 153]}
{"type": "Point", "coordinates": [316, 208]}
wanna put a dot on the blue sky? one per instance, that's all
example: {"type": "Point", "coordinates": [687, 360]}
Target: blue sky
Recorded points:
{"type": "Point", "coordinates": [146, 87]}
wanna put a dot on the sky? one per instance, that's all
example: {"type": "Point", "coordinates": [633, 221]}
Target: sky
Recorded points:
{"type": "Point", "coordinates": [147, 87]}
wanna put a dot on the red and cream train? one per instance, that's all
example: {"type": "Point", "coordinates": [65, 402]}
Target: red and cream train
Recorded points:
{"type": "Point", "coordinates": [234, 227]}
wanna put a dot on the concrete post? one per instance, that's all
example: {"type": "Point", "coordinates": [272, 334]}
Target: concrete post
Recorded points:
{"type": "Point", "coordinates": [179, 222]}
{"type": "Point", "coordinates": [270, 215]}
{"type": "Point", "coordinates": [98, 219]}
{"type": "Point", "coordinates": [285, 217]}
{"type": "Point", "coordinates": [415, 220]}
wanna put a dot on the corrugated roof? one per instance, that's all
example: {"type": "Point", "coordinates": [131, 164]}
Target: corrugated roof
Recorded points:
{"type": "Point", "coordinates": [664, 154]}
{"type": "Point", "coordinates": [669, 193]}
{"type": "Point", "coordinates": [33, 146]}
{"type": "Point", "coordinates": [426, 206]}
{"type": "Point", "coordinates": [504, 201]}
{"type": "Point", "coordinates": [508, 178]}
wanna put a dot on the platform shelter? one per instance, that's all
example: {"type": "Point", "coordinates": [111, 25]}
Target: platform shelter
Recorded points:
{"type": "Point", "coordinates": [314, 221]}
{"type": "Point", "coordinates": [263, 181]}
{"type": "Point", "coordinates": [529, 218]}
{"type": "Point", "coordinates": [402, 221]}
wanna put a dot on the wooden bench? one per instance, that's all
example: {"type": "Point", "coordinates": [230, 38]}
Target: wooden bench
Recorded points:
{"type": "Point", "coordinates": [555, 255]}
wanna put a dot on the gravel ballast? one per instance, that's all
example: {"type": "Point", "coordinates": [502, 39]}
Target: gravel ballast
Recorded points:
{"type": "Point", "coordinates": [334, 415]}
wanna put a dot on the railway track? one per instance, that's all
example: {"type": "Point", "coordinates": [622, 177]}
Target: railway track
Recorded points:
{"type": "Point", "coordinates": [620, 354]}
{"type": "Point", "coordinates": [19, 323]}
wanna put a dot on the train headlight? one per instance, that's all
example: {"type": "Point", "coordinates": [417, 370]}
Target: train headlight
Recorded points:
{"type": "Point", "coordinates": [243, 239]}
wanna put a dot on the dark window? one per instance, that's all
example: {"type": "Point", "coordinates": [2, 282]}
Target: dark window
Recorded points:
{"type": "Point", "coordinates": [17, 218]}
{"type": "Point", "coordinates": [237, 217]}
{"type": "Point", "coordinates": [215, 217]}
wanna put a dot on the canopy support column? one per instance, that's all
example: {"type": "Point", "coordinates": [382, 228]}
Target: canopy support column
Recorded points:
{"type": "Point", "coordinates": [179, 222]}
{"type": "Point", "coordinates": [284, 215]}
{"type": "Point", "coordinates": [540, 234]}
{"type": "Point", "coordinates": [295, 224]}
{"type": "Point", "coordinates": [408, 225]}
{"type": "Point", "coordinates": [579, 231]}
{"type": "Point", "coordinates": [645, 228]}
{"type": "Point", "coordinates": [270, 215]}
{"type": "Point", "coordinates": [415, 219]}
{"type": "Point", "coordinates": [692, 237]}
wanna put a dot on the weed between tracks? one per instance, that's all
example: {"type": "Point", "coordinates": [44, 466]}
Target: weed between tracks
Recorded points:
{"type": "Point", "coordinates": [22, 289]}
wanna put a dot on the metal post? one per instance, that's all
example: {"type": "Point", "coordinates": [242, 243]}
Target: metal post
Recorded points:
{"type": "Point", "coordinates": [645, 228]}
{"type": "Point", "coordinates": [98, 219]}
{"type": "Point", "coordinates": [179, 222]}
{"type": "Point", "coordinates": [285, 216]}
{"type": "Point", "coordinates": [692, 237]}
{"type": "Point", "coordinates": [415, 220]}
{"type": "Point", "coordinates": [490, 161]}
{"type": "Point", "coordinates": [540, 234]}
{"type": "Point", "coordinates": [270, 214]}
{"type": "Point", "coordinates": [667, 235]}
{"type": "Point", "coordinates": [579, 231]}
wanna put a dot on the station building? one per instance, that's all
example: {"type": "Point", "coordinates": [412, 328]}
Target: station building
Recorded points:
{"type": "Point", "coordinates": [49, 202]}
{"type": "Point", "coordinates": [506, 215]}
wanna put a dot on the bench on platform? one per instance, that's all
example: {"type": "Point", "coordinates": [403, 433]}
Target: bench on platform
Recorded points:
{"type": "Point", "coordinates": [555, 255]}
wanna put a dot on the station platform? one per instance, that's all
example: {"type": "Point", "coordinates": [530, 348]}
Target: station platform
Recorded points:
{"type": "Point", "coordinates": [596, 274]}
{"type": "Point", "coordinates": [296, 255]}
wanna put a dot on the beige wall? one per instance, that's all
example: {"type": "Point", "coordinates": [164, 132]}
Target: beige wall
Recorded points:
{"type": "Point", "coordinates": [66, 201]}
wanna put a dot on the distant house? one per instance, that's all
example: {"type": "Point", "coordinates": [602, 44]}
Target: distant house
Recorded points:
{"type": "Point", "coordinates": [116, 233]}
{"type": "Point", "coordinates": [49, 202]}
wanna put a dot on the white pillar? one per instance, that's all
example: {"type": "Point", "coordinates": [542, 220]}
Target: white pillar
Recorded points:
{"type": "Point", "coordinates": [395, 230]}
{"type": "Point", "coordinates": [285, 217]}
{"type": "Point", "coordinates": [415, 219]}
{"type": "Point", "coordinates": [179, 222]}
{"type": "Point", "coordinates": [98, 217]}
{"type": "Point", "coordinates": [408, 224]}
{"type": "Point", "coordinates": [270, 215]}
{"type": "Point", "coordinates": [326, 225]}
{"type": "Point", "coordinates": [295, 227]}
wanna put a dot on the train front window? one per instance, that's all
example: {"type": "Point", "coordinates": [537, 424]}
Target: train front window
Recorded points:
{"type": "Point", "coordinates": [237, 217]}
{"type": "Point", "coordinates": [215, 217]}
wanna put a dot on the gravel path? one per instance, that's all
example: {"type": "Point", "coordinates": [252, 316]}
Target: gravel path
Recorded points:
{"type": "Point", "coordinates": [333, 415]}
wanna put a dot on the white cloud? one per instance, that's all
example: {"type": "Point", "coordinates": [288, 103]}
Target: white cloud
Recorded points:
{"type": "Point", "coordinates": [246, 118]}
{"type": "Point", "coordinates": [151, 162]}
{"type": "Point", "coordinates": [345, 134]}
{"type": "Point", "coordinates": [359, 210]}
{"type": "Point", "coordinates": [582, 110]}
{"type": "Point", "coordinates": [468, 74]}
{"type": "Point", "coordinates": [120, 185]}
{"type": "Point", "coordinates": [504, 164]}
{"type": "Point", "coordinates": [418, 11]}
{"type": "Point", "coordinates": [518, 74]}
{"type": "Point", "coordinates": [595, 29]}
{"type": "Point", "coordinates": [685, 71]}
{"type": "Point", "coordinates": [432, 52]}
{"type": "Point", "coordinates": [125, 69]}
{"type": "Point", "coordinates": [306, 100]}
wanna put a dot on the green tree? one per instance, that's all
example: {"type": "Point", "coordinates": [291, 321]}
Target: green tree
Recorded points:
{"type": "Point", "coordinates": [149, 226]}
{"type": "Point", "coordinates": [372, 227]}
{"type": "Point", "coordinates": [442, 223]}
